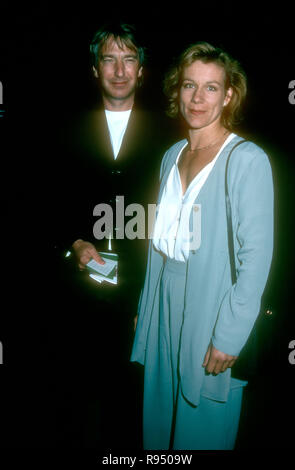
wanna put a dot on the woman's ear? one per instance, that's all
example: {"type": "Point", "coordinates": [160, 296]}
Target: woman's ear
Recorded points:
{"type": "Point", "coordinates": [228, 96]}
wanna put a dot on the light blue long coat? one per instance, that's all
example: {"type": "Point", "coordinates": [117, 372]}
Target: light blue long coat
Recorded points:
{"type": "Point", "coordinates": [214, 308]}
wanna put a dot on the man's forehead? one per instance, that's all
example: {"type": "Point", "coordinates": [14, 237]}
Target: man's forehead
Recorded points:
{"type": "Point", "coordinates": [118, 46]}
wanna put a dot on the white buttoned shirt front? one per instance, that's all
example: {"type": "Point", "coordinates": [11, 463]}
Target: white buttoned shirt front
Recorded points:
{"type": "Point", "coordinates": [171, 233]}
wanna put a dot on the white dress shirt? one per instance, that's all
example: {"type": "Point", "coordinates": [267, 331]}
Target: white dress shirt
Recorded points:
{"type": "Point", "coordinates": [117, 124]}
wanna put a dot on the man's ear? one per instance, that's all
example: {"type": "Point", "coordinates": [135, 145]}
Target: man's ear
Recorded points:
{"type": "Point", "coordinates": [95, 72]}
{"type": "Point", "coordinates": [139, 75]}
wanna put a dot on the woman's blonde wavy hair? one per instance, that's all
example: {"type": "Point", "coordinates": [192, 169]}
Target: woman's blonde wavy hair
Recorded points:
{"type": "Point", "coordinates": [235, 78]}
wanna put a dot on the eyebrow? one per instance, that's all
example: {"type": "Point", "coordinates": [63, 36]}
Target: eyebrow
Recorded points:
{"type": "Point", "coordinates": [128, 56]}
{"type": "Point", "coordinates": [207, 83]}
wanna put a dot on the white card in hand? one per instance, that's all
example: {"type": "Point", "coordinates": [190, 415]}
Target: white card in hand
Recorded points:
{"type": "Point", "coordinates": [101, 279]}
{"type": "Point", "coordinates": [103, 269]}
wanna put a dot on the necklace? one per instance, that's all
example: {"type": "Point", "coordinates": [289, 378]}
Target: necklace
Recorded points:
{"type": "Point", "coordinates": [210, 145]}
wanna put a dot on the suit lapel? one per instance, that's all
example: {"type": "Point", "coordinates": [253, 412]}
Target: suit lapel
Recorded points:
{"type": "Point", "coordinates": [99, 137]}
{"type": "Point", "coordinates": [134, 139]}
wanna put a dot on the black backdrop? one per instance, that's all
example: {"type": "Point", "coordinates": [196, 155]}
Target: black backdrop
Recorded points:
{"type": "Point", "coordinates": [44, 71]}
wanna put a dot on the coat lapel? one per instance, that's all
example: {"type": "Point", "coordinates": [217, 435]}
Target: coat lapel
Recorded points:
{"type": "Point", "coordinates": [215, 172]}
{"type": "Point", "coordinates": [99, 137]}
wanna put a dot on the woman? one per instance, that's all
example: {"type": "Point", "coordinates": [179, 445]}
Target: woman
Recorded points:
{"type": "Point", "coordinates": [193, 321]}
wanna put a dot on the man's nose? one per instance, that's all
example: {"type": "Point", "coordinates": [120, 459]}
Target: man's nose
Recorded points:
{"type": "Point", "coordinates": [120, 69]}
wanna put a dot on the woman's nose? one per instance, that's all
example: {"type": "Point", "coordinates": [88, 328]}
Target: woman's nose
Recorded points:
{"type": "Point", "coordinates": [197, 96]}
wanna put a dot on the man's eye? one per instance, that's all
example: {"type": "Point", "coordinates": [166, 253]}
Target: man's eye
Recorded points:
{"type": "Point", "coordinates": [212, 88]}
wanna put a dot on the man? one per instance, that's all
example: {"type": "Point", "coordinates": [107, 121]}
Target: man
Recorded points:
{"type": "Point", "coordinates": [118, 66]}
{"type": "Point", "coordinates": [113, 150]}
{"type": "Point", "coordinates": [116, 148]}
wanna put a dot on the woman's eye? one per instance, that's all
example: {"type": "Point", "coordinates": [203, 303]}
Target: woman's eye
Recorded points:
{"type": "Point", "coordinates": [188, 85]}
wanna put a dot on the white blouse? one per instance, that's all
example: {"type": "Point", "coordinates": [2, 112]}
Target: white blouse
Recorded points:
{"type": "Point", "coordinates": [171, 233]}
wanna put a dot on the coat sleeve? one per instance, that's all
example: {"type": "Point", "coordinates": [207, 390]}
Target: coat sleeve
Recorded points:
{"type": "Point", "coordinates": [147, 296]}
{"type": "Point", "coordinates": [149, 299]}
{"type": "Point", "coordinates": [252, 195]}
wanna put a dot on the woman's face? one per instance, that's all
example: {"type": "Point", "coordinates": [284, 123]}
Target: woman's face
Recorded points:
{"type": "Point", "coordinates": [202, 94]}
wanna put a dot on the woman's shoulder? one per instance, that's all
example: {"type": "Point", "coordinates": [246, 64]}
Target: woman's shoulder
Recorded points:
{"type": "Point", "coordinates": [175, 148]}
{"type": "Point", "coordinates": [246, 152]}
{"type": "Point", "coordinates": [173, 151]}
{"type": "Point", "coordinates": [248, 164]}
{"type": "Point", "coordinates": [171, 155]}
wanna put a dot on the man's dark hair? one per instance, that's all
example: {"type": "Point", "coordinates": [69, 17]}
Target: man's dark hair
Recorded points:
{"type": "Point", "coordinates": [123, 34]}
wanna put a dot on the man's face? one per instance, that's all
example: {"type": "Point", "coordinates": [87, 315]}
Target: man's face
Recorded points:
{"type": "Point", "coordinates": [118, 71]}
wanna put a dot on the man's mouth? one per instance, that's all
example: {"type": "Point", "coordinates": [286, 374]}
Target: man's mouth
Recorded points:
{"type": "Point", "coordinates": [119, 84]}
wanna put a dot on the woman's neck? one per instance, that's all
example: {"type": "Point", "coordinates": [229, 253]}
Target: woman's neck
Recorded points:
{"type": "Point", "coordinates": [205, 138]}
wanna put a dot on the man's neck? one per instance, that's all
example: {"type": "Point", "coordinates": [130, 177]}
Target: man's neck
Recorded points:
{"type": "Point", "coordinates": [118, 105]}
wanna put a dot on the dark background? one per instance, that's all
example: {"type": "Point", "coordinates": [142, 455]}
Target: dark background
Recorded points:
{"type": "Point", "coordinates": [45, 72]}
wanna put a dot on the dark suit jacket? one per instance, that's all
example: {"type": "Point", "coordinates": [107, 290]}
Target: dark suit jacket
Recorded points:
{"type": "Point", "coordinates": [88, 175]}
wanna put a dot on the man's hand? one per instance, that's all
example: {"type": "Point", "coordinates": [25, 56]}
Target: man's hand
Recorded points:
{"type": "Point", "coordinates": [216, 361]}
{"type": "Point", "coordinates": [84, 252]}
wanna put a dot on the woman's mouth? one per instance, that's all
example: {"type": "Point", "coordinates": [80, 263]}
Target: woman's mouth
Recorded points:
{"type": "Point", "coordinates": [196, 112]}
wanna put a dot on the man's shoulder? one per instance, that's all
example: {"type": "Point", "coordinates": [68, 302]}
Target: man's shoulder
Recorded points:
{"type": "Point", "coordinates": [82, 119]}
{"type": "Point", "coordinates": [82, 129]}
{"type": "Point", "coordinates": [159, 125]}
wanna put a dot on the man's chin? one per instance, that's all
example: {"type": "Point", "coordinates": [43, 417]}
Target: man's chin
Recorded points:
{"type": "Point", "coordinates": [120, 94]}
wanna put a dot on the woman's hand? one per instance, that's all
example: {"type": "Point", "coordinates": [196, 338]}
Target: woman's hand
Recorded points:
{"type": "Point", "coordinates": [135, 322]}
{"type": "Point", "coordinates": [216, 361]}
